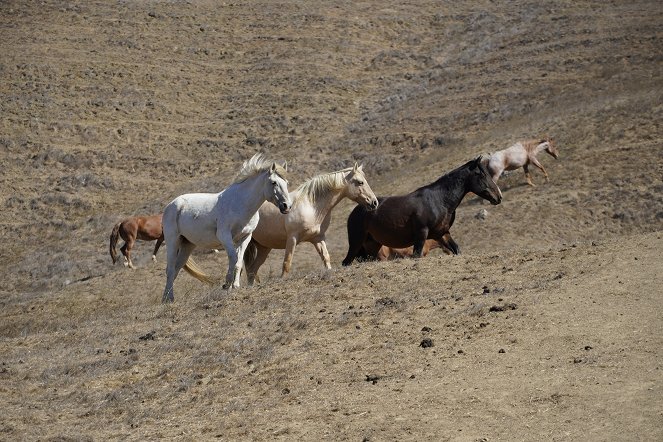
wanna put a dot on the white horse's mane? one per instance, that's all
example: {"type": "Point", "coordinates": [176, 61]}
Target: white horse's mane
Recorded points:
{"type": "Point", "coordinates": [257, 164]}
{"type": "Point", "coordinates": [318, 186]}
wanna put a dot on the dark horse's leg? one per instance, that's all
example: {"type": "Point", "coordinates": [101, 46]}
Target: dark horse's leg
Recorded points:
{"type": "Point", "coordinates": [419, 241]}
{"type": "Point", "coordinates": [449, 243]}
{"type": "Point", "coordinates": [356, 234]}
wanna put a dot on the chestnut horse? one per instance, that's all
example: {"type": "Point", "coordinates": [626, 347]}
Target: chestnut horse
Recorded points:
{"type": "Point", "coordinates": [426, 213]}
{"type": "Point", "coordinates": [388, 253]}
{"type": "Point", "coordinates": [144, 228]}
{"type": "Point", "coordinates": [521, 154]}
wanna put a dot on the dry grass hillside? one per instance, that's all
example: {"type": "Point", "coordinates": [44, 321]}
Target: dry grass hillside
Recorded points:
{"type": "Point", "coordinates": [547, 327]}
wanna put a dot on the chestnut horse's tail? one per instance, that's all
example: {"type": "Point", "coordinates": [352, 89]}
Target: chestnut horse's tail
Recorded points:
{"type": "Point", "coordinates": [192, 269]}
{"type": "Point", "coordinates": [113, 241]}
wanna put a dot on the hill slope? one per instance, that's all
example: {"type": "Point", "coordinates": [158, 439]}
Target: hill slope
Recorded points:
{"type": "Point", "coordinates": [114, 108]}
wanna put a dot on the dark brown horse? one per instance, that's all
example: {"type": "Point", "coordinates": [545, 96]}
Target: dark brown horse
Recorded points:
{"type": "Point", "coordinates": [144, 228]}
{"type": "Point", "coordinates": [426, 213]}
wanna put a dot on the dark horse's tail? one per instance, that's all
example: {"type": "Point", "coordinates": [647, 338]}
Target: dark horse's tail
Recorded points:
{"type": "Point", "coordinates": [113, 241]}
{"type": "Point", "coordinates": [356, 235]}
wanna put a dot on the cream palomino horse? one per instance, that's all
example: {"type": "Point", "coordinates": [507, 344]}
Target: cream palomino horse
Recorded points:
{"type": "Point", "coordinates": [227, 219]}
{"type": "Point", "coordinates": [521, 154]}
{"type": "Point", "coordinates": [309, 218]}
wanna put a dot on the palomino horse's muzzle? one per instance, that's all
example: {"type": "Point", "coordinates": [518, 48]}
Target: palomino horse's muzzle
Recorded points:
{"type": "Point", "coordinates": [372, 204]}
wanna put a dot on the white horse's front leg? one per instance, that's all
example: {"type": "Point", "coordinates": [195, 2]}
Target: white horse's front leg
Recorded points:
{"type": "Point", "coordinates": [241, 248]}
{"type": "Point", "coordinates": [229, 246]}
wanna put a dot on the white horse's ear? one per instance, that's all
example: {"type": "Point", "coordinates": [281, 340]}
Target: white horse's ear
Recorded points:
{"type": "Point", "coordinates": [356, 167]}
{"type": "Point", "coordinates": [273, 168]}
{"type": "Point", "coordinates": [285, 166]}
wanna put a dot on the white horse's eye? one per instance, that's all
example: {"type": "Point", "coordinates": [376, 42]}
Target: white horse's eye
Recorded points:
{"type": "Point", "coordinates": [360, 183]}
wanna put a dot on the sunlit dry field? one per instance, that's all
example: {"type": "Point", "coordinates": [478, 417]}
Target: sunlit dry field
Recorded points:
{"type": "Point", "coordinates": [546, 327]}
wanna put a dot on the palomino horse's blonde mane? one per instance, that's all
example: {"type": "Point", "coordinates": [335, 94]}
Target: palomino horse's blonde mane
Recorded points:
{"type": "Point", "coordinates": [320, 185]}
{"type": "Point", "coordinates": [257, 164]}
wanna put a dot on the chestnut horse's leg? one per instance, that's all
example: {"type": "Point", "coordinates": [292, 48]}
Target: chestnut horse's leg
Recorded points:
{"type": "Point", "coordinates": [156, 248]}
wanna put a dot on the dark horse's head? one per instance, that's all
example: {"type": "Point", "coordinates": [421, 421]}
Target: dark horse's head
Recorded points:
{"type": "Point", "coordinates": [481, 183]}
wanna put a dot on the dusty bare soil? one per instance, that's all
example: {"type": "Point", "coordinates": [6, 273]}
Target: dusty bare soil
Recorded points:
{"type": "Point", "coordinates": [547, 327]}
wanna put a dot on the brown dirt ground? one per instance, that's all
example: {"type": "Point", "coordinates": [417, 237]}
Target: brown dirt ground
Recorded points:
{"type": "Point", "coordinates": [547, 327]}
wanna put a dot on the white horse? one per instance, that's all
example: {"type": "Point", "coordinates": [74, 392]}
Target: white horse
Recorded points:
{"type": "Point", "coordinates": [227, 219]}
{"type": "Point", "coordinates": [521, 154]}
{"type": "Point", "coordinates": [309, 218]}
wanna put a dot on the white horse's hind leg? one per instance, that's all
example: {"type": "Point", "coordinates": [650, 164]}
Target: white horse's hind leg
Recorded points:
{"type": "Point", "coordinates": [177, 256]}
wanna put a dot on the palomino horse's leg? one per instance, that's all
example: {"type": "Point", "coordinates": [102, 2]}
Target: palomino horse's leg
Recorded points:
{"type": "Point", "coordinates": [177, 256]}
{"type": "Point", "coordinates": [261, 256]}
{"type": "Point", "coordinates": [540, 166]}
{"type": "Point", "coordinates": [321, 247]}
{"type": "Point", "coordinates": [156, 249]}
{"type": "Point", "coordinates": [290, 245]}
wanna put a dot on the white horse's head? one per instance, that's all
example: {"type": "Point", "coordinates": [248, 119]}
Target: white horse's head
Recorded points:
{"type": "Point", "coordinates": [358, 190]}
{"type": "Point", "coordinates": [276, 187]}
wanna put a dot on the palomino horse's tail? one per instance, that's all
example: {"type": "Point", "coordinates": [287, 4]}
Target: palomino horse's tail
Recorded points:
{"type": "Point", "coordinates": [113, 241]}
{"type": "Point", "coordinates": [250, 255]}
{"type": "Point", "coordinates": [192, 269]}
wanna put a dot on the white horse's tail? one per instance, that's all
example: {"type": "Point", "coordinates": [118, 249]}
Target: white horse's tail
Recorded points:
{"type": "Point", "coordinates": [192, 269]}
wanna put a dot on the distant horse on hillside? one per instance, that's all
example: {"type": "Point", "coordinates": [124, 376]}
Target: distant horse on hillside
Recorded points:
{"type": "Point", "coordinates": [426, 213]}
{"type": "Point", "coordinates": [227, 219]}
{"type": "Point", "coordinates": [309, 218]}
{"type": "Point", "coordinates": [144, 228]}
{"type": "Point", "coordinates": [521, 154]}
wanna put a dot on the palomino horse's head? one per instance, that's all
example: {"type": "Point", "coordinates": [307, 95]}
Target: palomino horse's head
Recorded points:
{"type": "Point", "coordinates": [481, 183]}
{"type": "Point", "coordinates": [277, 189]}
{"type": "Point", "coordinates": [358, 190]}
{"type": "Point", "coordinates": [551, 148]}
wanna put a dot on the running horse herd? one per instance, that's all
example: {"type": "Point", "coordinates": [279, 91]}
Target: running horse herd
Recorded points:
{"type": "Point", "coordinates": [256, 214]}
